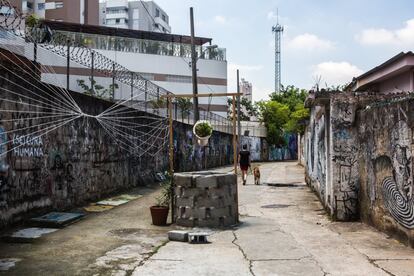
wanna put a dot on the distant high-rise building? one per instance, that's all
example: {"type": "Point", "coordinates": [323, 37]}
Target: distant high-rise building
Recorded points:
{"type": "Point", "coordinates": [73, 11]}
{"type": "Point", "coordinates": [246, 89]}
{"type": "Point", "coordinates": [135, 15]}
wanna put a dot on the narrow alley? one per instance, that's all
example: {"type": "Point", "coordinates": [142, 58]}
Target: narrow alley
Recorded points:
{"type": "Point", "coordinates": [284, 231]}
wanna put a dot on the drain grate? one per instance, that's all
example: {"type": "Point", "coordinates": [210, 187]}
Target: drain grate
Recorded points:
{"type": "Point", "coordinates": [276, 206]}
{"type": "Point", "coordinates": [289, 185]}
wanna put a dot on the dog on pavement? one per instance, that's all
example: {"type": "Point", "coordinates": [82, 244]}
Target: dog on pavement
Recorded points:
{"type": "Point", "coordinates": [256, 173]}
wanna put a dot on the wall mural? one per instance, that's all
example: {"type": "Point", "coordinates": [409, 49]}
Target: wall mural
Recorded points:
{"type": "Point", "coordinates": [345, 156]}
{"type": "Point", "coordinates": [397, 190]}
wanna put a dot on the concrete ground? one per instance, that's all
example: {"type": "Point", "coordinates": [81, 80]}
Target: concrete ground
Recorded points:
{"type": "Point", "coordinates": [284, 231]}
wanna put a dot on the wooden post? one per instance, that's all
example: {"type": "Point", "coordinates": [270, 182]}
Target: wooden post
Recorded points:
{"type": "Point", "coordinates": [234, 136]}
{"type": "Point", "coordinates": [235, 154]}
{"type": "Point", "coordinates": [171, 155]}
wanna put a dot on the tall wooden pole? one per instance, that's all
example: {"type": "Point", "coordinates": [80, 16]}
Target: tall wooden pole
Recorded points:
{"type": "Point", "coordinates": [235, 155]}
{"type": "Point", "coordinates": [234, 136]}
{"type": "Point", "coordinates": [194, 68]}
{"type": "Point", "coordinates": [238, 112]}
{"type": "Point", "coordinates": [171, 155]}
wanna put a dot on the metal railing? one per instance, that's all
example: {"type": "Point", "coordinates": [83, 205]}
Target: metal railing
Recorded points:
{"type": "Point", "coordinates": [143, 46]}
{"type": "Point", "coordinates": [74, 51]}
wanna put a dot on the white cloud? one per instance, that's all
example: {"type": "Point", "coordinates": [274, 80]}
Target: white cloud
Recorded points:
{"type": "Point", "coordinates": [309, 42]}
{"type": "Point", "coordinates": [399, 37]}
{"type": "Point", "coordinates": [336, 73]}
{"type": "Point", "coordinates": [220, 19]}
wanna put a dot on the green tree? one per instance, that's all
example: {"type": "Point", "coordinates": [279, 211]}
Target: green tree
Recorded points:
{"type": "Point", "coordinates": [274, 115]}
{"type": "Point", "coordinates": [184, 105]}
{"type": "Point", "coordinates": [284, 113]}
{"type": "Point", "coordinates": [247, 109]}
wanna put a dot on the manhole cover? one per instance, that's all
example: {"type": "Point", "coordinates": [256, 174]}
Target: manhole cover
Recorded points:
{"type": "Point", "coordinates": [276, 206]}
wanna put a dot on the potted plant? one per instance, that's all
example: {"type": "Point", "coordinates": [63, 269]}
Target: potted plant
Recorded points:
{"type": "Point", "coordinates": [159, 212]}
{"type": "Point", "coordinates": [202, 130]}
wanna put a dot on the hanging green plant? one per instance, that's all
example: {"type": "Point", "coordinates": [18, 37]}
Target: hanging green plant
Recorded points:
{"type": "Point", "coordinates": [202, 130]}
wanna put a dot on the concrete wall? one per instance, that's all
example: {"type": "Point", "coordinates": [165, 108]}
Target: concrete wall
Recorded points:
{"type": "Point", "coordinates": [386, 168]}
{"type": "Point", "coordinates": [358, 152]}
{"type": "Point", "coordinates": [80, 162]}
{"type": "Point", "coordinates": [287, 152]}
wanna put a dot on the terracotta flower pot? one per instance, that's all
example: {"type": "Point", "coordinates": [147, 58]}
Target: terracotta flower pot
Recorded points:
{"type": "Point", "coordinates": [159, 215]}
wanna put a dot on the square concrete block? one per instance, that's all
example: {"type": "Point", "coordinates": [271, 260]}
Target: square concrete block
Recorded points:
{"type": "Point", "coordinates": [178, 235]}
{"type": "Point", "coordinates": [184, 201]}
{"type": "Point", "coordinates": [210, 222]}
{"type": "Point", "coordinates": [182, 180]}
{"type": "Point", "coordinates": [206, 182]}
{"type": "Point", "coordinates": [178, 190]}
{"type": "Point", "coordinates": [220, 212]}
{"type": "Point", "coordinates": [192, 192]}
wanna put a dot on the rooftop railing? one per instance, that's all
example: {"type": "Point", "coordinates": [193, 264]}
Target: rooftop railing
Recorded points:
{"type": "Point", "coordinates": [143, 46]}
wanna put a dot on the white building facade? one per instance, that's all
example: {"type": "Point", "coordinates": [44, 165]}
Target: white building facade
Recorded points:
{"type": "Point", "coordinates": [163, 59]}
{"type": "Point", "coordinates": [135, 15]}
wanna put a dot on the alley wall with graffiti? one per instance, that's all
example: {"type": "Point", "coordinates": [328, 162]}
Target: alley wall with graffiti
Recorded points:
{"type": "Point", "coordinates": [358, 159]}
{"type": "Point", "coordinates": [386, 168]}
{"type": "Point", "coordinates": [80, 162]}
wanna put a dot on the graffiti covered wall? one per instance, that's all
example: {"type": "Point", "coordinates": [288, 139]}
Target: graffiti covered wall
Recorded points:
{"type": "Point", "coordinates": [359, 160]}
{"type": "Point", "coordinates": [314, 151]}
{"type": "Point", "coordinates": [387, 147]}
{"type": "Point", "coordinates": [80, 162]}
{"type": "Point", "coordinates": [287, 152]}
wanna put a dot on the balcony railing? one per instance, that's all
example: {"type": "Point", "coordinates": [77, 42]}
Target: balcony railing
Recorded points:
{"type": "Point", "coordinates": [123, 44]}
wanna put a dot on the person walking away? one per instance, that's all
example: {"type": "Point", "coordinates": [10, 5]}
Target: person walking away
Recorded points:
{"type": "Point", "coordinates": [244, 161]}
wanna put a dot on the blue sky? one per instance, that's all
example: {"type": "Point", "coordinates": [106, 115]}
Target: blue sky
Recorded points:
{"type": "Point", "coordinates": [333, 39]}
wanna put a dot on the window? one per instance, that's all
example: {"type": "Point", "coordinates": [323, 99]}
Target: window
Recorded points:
{"type": "Point", "coordinates": [157, 13]}
{"type": "Point", "coordinates": [164, 18]}
{"type": "Point", "coordinates": [58, 5]}
{"type": "Point", "coordinates": [29, 5]}
{"type": "Point", "coordinates": [41, 6]}
{"type": "Point", "coordinates": [181, 79]}
{"type": "Point", "coordinates": [117, 20]}
{"type": "Point", "coordinates": [135, 14]}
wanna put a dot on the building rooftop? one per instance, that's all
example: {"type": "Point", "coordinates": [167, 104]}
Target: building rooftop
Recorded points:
{"type": "Point", "coordinates": [396, 65]}
{"type": "Point", "coordinates": [109, 31]}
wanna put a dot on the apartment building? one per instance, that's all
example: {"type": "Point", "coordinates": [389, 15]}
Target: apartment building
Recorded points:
{"type": "Point", "coordinates": [74, 11]}
{"type": "Point", "coordinates": [163, 59]}
{"type": "Point", "coordinates": [246, 89]}
{"type": "Point", "coordinates": [135, 15]}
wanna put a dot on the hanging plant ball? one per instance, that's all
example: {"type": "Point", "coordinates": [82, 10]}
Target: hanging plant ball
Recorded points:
{"type": "Point", "coordinates": [202, 130]}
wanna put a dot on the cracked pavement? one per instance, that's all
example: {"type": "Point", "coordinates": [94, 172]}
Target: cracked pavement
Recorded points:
{"type": "Point", "coordinates": [284, 231]}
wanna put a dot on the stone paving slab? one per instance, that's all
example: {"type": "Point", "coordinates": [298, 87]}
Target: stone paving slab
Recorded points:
{"type": "Point", "coordinates": [28, 234]}
{"type": "Point", "coordinates": [6, 264]}
{"type": "Point", "coordinates": [220, 257]}
{"type": "Point", "coordinates": [287, 268]}
{"type": "Point", "coordinates": [57, 219]}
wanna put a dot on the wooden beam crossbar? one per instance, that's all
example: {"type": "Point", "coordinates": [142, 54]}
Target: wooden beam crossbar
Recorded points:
{"type": "Point", "coordinates": [201, 95]}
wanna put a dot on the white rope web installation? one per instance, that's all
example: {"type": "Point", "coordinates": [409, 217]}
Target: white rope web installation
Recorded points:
{"type": "Point", "coordinates": [31, 108]}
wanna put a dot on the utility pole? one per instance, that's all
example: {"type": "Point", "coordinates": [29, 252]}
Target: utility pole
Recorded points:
{"type": "Point", "coordinates": [194, 67]}
{"type": "Point", "coordinates": [238, 110]}
{"type": "Point", "coordinates": [68, 67]}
